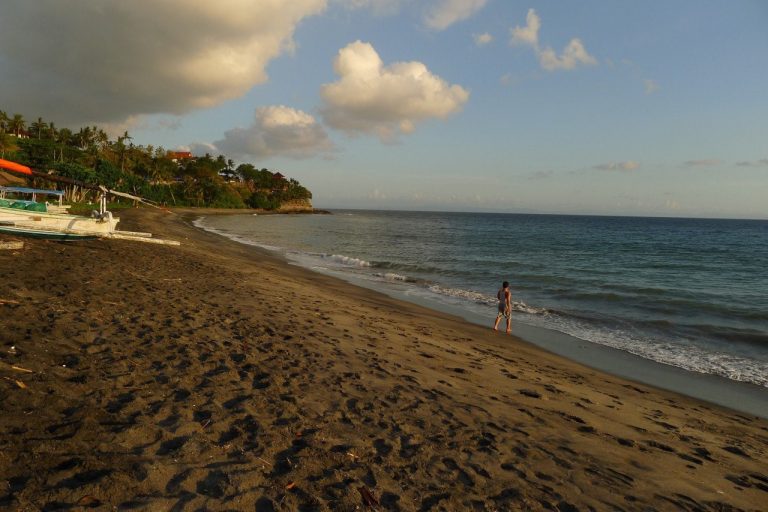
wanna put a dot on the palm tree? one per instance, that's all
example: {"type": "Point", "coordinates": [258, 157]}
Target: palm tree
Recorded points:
{"type": "Point", "coordinates": [121, 149]}
{"type": "Point", "coordinates": [39, 126]}
{"type": "Point", "coordinates": [64, 139]}
{"type": "Point", "coordinates": [100, 137]}
{"type": "Point", "coordinates": [50, 135]}
{"type": "Point", "coordinates": [51, 132]}
{"type": "Point", "coordinates": [84, 138]}
{"type": "Point", "coordinates": [17, 124]}
{"type": "Point", "coordinates": [3, 122]}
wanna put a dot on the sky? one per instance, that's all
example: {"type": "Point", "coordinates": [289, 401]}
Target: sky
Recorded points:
{"type": "Point", "coordinates": [608, 107]}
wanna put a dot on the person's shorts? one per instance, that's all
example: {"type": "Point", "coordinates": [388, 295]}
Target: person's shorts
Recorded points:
{"type": "Point", "coordinates": [503, 311]}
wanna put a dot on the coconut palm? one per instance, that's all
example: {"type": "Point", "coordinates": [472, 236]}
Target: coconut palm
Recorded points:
{"type": "Point", "coordinates": [100, 138]}
{"type": "Point", "coordinates": [51, 132]}
{"type": "Point", "coordinates": [84, 138]}
{"type": "Point", "coordinates": [17, 124]}
{"type": "Point", "coordinates": [120, 149]}
{"type": "Point", "coordinates": [63, 140]}
{"type": "Point", "coordinates": [39, 127]}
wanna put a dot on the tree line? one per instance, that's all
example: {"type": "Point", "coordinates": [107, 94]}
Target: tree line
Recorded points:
{"type": "Point", "coordinates": [166, 177]}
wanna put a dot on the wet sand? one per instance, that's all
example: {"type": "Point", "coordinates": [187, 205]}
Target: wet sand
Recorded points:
{"type": "Point", "coordinates": [213, 376]}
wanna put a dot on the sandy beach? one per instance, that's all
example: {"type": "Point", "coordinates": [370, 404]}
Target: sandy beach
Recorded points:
{"type": "Point", "coordinates": [214, 376]}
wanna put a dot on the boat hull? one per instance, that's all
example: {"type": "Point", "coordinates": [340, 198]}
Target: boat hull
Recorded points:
{"type": "Point", "coordinates": [45, 234]}
{"type": "Point", "coordinates": [65, 223]}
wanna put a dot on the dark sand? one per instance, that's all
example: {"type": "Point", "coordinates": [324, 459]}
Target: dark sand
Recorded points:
{"type": "Point", "coordinates": [213, 376]}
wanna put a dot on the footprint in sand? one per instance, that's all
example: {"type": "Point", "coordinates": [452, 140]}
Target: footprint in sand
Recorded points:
{"type": "Point", "coordinates": [172, 445]}
{"type": "Point", "coordinates": [382, 447]}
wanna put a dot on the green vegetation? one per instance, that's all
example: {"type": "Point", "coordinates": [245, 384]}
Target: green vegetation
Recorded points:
{"type": "Point", "coordinates": [86, 208]}
{"type": "Point", "coordinates": [166, 177]}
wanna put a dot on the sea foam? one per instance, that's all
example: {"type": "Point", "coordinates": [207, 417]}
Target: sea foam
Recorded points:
{"type": "Point", "coordinates": [347, 260]}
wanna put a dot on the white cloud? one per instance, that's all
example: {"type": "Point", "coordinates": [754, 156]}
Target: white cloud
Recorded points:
{"type": "Point", "coordinates": [277, 131]}
{"type": "Point", "coordinates": [650, 86]}
{"type": "Point", "coordinates": [200, 149]}
{"type": "Point", "coordinates": [129, 124]}
{"type": "Point", "coordinates": [445, 13]}
{"type": "Point", "coordinates": [372, 98]}
{"type": "Point", "coordinates": [140, 122]}
{"type": "Point", "coordinates": [482, 39]}
{"type": "Point", "coordinates": [573, 55]}
{"type": "Point", "coordinates": [529, 34]}
{"type": "Point", "coordinates": [106, 60]}
{"type": "Point", "coordinates": [628, 165]}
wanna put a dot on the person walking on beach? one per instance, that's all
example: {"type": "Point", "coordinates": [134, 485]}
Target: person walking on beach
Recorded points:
{"type": "Point", "coordinates": [505, 307]}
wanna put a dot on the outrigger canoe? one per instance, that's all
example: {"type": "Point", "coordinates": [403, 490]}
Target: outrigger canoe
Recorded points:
{"type": "Point", "coordinates": [32, 219]}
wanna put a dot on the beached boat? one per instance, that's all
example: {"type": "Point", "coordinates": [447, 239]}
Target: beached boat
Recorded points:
{"type": "Point", "coordinates": [22, 214]}
{"type": "Point", "coordinates": [32, 219]}
{"type": "Point", "coordinates": [10, 229]}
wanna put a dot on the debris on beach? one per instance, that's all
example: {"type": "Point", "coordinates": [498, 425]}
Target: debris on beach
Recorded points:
{"type": "Point", "coordinates": [88, 501]}
{"type": "Point", "coordinates": [18, 383]}
{"type": "Point", "coordinates": [368, 498]}
{"type": "Point", "coordinates": [11, 246]}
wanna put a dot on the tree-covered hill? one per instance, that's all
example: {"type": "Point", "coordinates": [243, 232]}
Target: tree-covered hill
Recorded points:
{"type": "Point", "coordinates": [167, 177]}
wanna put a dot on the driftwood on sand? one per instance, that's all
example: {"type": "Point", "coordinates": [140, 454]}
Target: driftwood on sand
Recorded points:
{"type": "Point", "coordinates": [11, 246]}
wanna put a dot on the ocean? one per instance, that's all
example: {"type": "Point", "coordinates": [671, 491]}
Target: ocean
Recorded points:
{"type": "Point", "coordinates": [691, 293]}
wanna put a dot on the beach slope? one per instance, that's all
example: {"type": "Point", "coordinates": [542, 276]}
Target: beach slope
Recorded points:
{"type": "Point", "coordinates": [213, 376]}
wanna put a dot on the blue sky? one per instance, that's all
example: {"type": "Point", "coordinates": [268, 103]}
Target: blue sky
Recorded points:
{"type": "Point", "coordinates": [596, 107]}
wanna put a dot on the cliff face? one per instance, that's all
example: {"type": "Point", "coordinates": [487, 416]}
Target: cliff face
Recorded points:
{"type": "Point", "coordinates": [296, 205]}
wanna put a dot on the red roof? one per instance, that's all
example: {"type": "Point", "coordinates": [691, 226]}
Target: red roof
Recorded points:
{"type": "Point", "coordinates": [179, 155]}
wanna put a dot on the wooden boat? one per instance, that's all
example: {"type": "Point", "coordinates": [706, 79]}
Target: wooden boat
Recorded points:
{"type": "Point", "coordinates": [32, 219]}
{"type": "Point", "coordinates": [11, 229]}
{"type": "Point", "coordinates": [33, 215]}
{"type": "Point", "coordinates": [22, 214]}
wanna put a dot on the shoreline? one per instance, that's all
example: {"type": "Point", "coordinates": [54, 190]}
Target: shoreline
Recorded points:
{"type": "Point", "coordinates": [740, 396]}
{"type": "Point", "coordinates": [216, 376]}
{"type": "Point", "coordinates": [194, 211]}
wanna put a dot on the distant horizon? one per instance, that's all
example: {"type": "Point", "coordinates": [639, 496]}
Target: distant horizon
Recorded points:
{"type": "Point", "coordinates": [593, 108]}
{"type": "Point", "coordinates": [331, 208]}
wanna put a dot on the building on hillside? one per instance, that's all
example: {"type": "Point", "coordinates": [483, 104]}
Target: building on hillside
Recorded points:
{"type": "Point", "coordinates": [230, 176]}
{"type": "Point", "coordinates": [178, 156]}
{"type": "Point", "coordinates": [279, 182]}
